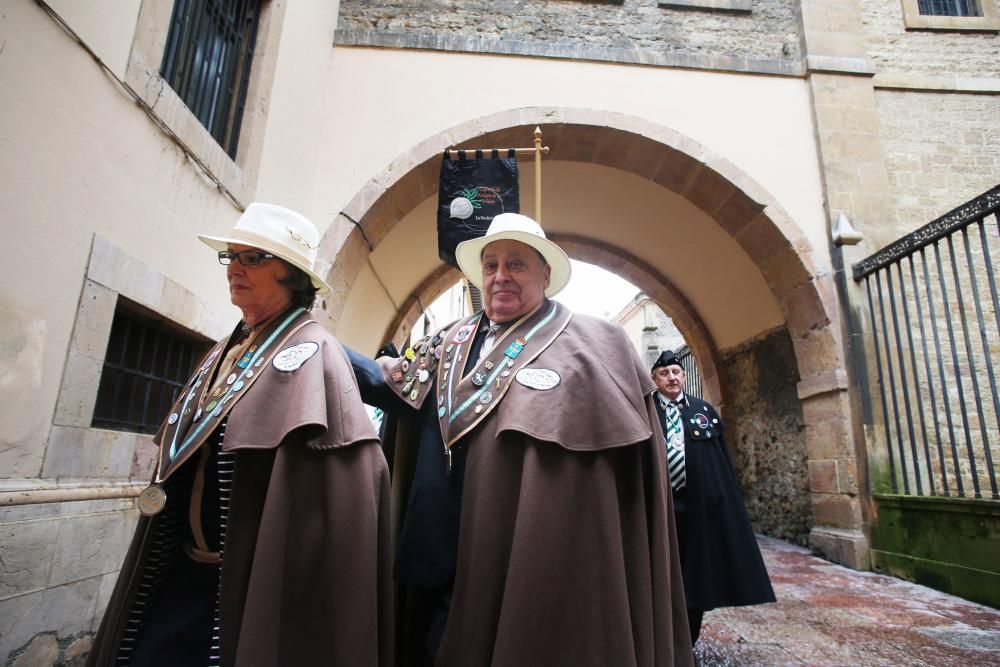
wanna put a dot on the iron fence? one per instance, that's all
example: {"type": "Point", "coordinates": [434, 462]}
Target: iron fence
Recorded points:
{"type": "Point", "coordinates": [692, 384]}
{"type": "Point", "coordinates": [935, 329]}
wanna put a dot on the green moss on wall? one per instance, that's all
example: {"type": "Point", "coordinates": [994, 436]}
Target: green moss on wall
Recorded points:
{"type": "Point", "coordinates": [879, 476]}
{"type": "Point", "coordinates": [950, 544]}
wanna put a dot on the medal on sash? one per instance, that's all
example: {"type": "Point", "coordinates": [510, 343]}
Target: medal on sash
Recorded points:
{"type": "Point", "coordinates": [247, 356]}
{"type": "Point", "coordinates": [465, 400]}
{"type": "Point", "coordinates": [152, 500]}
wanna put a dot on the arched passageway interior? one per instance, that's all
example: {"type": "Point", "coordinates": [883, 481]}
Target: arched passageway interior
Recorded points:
{"type": "Point", "coordinates": [705, 241]}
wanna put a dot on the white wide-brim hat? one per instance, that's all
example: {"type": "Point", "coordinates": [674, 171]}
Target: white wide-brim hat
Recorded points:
{"type": "Point", "coordinates": [516, 227]}
{"type": "Point", "coordinates": [279, 231]}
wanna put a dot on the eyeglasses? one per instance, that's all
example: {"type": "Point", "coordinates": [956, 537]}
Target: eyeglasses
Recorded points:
{"type": "Point", "coordinates": [244, 257]}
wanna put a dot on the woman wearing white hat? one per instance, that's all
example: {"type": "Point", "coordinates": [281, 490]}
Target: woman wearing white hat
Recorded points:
{"type": "Point", "coordinates": [262, 540]}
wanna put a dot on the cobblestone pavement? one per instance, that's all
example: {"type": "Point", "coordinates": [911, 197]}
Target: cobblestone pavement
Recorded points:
{"type": "Point", "coordinates": [830, 615]}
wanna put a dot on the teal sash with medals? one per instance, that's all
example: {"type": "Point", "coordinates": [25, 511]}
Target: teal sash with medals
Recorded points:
{"type": "Point", "coordinates": [188, 426]}
{"type": "Point", "coordinates": [465, 400]}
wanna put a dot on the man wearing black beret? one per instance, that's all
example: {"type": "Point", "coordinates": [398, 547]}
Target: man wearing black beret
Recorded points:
{"type": "Point", "coordinates": [720, 561]}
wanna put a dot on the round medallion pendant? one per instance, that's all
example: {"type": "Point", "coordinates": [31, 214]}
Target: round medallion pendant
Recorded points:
{"type": "Point", "coordinates": [152, 500]}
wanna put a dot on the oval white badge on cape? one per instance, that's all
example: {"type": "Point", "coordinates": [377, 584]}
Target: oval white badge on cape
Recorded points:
{"type": "Point", "coordinates": [291, 358]}
{"type": "Point", "coordinates": [537, 378]}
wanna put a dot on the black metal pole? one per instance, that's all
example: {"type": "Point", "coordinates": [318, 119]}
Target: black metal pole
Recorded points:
{"type": "Point", "coordinates": [916, 369]}
{"type": "Point", "coordinates": [892, 381]}
{"type": "Point", "coordinates": [961, 396]}
{"type": "Point", "coordinates": [903, 382]}
{"type": "Point", "coordinates": [958, 370]}
{"type": "Point", "coordinates": [989, 365]}
{"type": "Point", "coordinates": [927, 366]}
{"type": "Point", "coordinates": [881, 382]}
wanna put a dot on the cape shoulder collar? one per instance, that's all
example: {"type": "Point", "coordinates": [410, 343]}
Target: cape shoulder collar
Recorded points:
{"type": "Point", "coordinates": [189, 425]}
{"type": "Point", "coordinates": [463, 401]}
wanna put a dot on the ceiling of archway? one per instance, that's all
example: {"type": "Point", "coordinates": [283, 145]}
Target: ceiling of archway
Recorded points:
{"type": "Point", "coordinates": [628, 213]}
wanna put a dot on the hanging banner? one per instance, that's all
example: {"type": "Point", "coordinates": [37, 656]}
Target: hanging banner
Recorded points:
{"type": "Point", "coordinates": [473, 190]}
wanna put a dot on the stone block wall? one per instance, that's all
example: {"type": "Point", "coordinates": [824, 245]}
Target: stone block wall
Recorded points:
{"type": "Point", "coordinates": [59, 560]}
{"type": "Point", "coordinates": [726, 34]}
{"type": "Point", "coordinates": [764, 431]}
{"type": "Point", "coordinates": [59, 566]}
{"type": "Point", "coordinates": [923, 53]}
{"type": "Point", "coordinates": [940, 149]}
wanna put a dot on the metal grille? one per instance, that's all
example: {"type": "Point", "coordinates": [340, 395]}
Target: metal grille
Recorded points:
{"type": "Point", "coordinates": [949, 8]}
{"type": "Point", "coordinates": [207, 62]}
{"type": "Point", "coordinates": [146, 365]}
{"type": "Point", "coordinates": [475, 296]}
{"type": "Point", "coordinates": [692, 384]}
{"type": "Point", "coordinates": [935, 323]}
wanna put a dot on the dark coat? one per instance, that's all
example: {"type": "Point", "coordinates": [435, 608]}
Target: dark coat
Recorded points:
{"type": "Point", "coordinates": [305, 575]}
{"type": "Point", "coordinates": [719, 554]}
{"type": "Point", "coordinates": [566, 552]}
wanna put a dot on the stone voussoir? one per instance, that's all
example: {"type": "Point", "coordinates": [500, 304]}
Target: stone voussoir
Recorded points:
{"type": "Point", "coordinates": [788, 271]}
{"type": "Point", "coordinates": [709, 190]}
{"type": "Point", "coordinates": [677, 171]}
{"type": "Point", "coordinates": [761, 238]}
{"type": "Point", "coordinates": [644, 159]}
{"type": "Point", "coordinates": [613, 148]}
{"type": "Point", "coordinates": [736, 212]}
{"type": "Point", "coordinates": [806, 307]}
{"type": "Point", "coordinates": [742, 181]}
{"type": "Point", "coordinates": [362, 203]}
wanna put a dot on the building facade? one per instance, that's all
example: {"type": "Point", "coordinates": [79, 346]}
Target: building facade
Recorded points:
{"type": "Point", "coordinates": [705, 150]}
{"type": "Point", "coordinates": [649, 328]}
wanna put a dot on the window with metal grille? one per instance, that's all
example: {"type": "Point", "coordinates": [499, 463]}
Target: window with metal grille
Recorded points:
{"type": "Point", "coordinates": [147, 363]}
{"type": "Point", "coordinates": [949, 8]}
{"type": "Point", "coordinates": [207, 62]}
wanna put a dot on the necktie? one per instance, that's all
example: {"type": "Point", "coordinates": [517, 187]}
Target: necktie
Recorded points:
{"type": "Point", "coordinates": [490, 339]}
{"type": "Point", "coordinates": [674, 432]}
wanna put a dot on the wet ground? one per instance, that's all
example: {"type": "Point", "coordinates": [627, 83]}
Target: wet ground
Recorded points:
{"type": "Point", "coordinates": [830, 615]}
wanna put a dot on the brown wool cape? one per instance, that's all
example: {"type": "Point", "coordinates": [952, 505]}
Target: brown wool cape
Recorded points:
{"type": "Point", "coordinates": [567, 552]}
{"type": "Point", "coordinates": [306, 569]}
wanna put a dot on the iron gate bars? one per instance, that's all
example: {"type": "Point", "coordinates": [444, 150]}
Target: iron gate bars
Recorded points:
{"type": "Point", "coordinates": [936, 349]}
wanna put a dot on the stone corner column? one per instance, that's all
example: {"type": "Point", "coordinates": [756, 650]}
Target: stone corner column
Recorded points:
{"type": "Point", "coordinates": [855, 181]}
{"type": "Point", "coordinates": [838, 530]}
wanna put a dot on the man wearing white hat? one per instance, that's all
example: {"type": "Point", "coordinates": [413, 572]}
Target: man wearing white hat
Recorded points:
{"type": "Point", "coordinates": [263, 535]}
{"type": "Point", "coordinates": [537, 528]}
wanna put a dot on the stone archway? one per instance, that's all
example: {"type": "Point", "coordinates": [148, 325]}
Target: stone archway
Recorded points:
{"type": "Point", "coordinates": [743, 209]}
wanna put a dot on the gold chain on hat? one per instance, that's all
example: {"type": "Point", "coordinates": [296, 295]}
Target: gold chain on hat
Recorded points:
{"type": "Point", "coordinates": [298, 238]}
